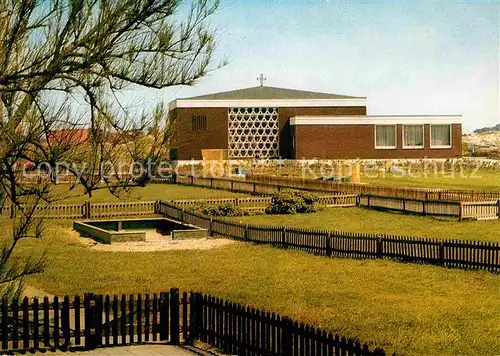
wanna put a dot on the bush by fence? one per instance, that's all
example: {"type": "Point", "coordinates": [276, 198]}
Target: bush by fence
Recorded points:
{"type": "Point", "coordinates": [96, 321]}
{"type": "Point", "coordinates": [293, 202]}
{"type": "Point", "coordinates": [446, 253]}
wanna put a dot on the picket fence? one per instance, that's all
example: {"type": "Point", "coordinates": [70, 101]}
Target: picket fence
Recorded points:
{"type": "Point", "coordinates": [86, 210]}
{"type": "Point", "coordinates": [373, 189]}
{"type": "Point", "coordinates": [447, 253]}
{"type": "Point", "coordinates": [409, 202]}
{"type": "Point", "coordinates": [486, 210]}
{"type": "Point", "coordinates": [97, 321]}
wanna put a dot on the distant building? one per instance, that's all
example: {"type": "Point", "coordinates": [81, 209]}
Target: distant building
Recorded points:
{"type": "Point", "coordinates": [267, 122]}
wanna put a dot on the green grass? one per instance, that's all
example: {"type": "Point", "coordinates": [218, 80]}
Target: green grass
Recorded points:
{"type": "Point", "coordinates": [467, 179]}
{"type": "Point", "coordinates": [64, 195]}
{"type": "Point", "coordinates": [482, 180]}
{"type": "Point", "coordinates": [408, 308]}
{"type": "Point", "coordinates": [383, 222]}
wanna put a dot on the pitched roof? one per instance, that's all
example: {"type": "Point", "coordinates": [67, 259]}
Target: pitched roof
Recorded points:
{"type": "Point", "coordinates": [266, 93]}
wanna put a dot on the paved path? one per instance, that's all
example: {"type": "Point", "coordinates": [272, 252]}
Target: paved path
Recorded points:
{"type": "Point", "coordinates": [142, 350]}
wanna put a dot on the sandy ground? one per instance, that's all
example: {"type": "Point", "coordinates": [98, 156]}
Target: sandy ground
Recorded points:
{"type": "Point", "coordinates": [154, 242]}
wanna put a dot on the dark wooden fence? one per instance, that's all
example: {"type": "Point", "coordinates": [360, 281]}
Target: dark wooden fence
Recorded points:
{"type": "Point", "coordinates": [96, 321]}
{"type": "Point", "coordinates": [447, 253]}
{"type": "Point", "coordinates": [238, 330]}
{"type": "Point", "coordinates": [89, 322]}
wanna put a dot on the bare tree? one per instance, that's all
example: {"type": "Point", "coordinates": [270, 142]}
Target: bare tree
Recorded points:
{"type": "Point", "coordinates": [63, 64]}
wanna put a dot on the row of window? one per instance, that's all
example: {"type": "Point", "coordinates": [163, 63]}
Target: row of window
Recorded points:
{"type": "Point", "coordinates": [413, 136]}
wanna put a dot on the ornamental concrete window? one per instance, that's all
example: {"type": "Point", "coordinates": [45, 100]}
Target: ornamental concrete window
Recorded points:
{"type": "Point", "coordinates": [413, 136]}
{"type": "Point", "coordinates": [253, 132]}
{"type": "Point", "coordinates": [199, 123]}
{"type": "Point", "coordinates": [440, 136]}
{"type": "Point", "coordinates": [385, 136]}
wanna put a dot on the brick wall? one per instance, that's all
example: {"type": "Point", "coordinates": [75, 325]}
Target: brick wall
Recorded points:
{"type": "Point", "coordinates": [190, 143]}
{"type": "Point", "coordinates": [358, 141]}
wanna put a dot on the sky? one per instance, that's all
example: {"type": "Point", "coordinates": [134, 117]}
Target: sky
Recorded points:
{"type": "Point", "coordinates": [407, 57]}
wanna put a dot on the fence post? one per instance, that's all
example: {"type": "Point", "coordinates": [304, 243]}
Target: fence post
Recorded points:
{"type": "Point", "coordinates": [284, 243]}
{"type": "Point", "coordinates": [460, 211]}
{"type": "Point", "coordinates": [254, 187]}
{"type": "Point", "coordinates": [328, 244]}
{"type": "Point", "coordinates": [211, 182]}
{"type": "Point", "coordinates": [192, 180]}
{"type": "Point", "coordinates": [287, 336]}
{"type": "Point", "coordinates": [368, 201]}
{"type": "Point", "coordinates": [210, 229]}
{"type": "Point", "coordinates": [423, 206]}
{"type": "Point", "coordinates": [194, 316]}
{"type": "Point", "coordinates": [88, 213]}
{"type": "Point", "coordinates": [441, 253]}
{"type": "Point", "coordinates": [164, 319]}
{"type": "Point", "coordinates": [182, 215]}
{"type": "Point", "coordinates": [404, 204]}
{"type": "Point", "coordinates": [89, 315]}
{"type": "Point", "coordinates": [358, 200]}
{"type": "Point", "coordinates": [232, 185]}
{"type": "Point", "coordinates": [498, 208]}
{"type": "Point", "coordinates": [174, 316]}
{"type": "Point", "coordinates": [379, 247]}
{"type": "Point", "coordinates": [246, 233]}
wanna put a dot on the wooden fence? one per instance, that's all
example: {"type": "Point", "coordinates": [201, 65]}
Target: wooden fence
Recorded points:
{"type": "Point", "coordinates": [238, 330]}
{"type": "Point", "coordinates": [408, 200]}
{"type": "Point", "coordinates": [486, 210]}
{"type": "Point", "coordinates": [240, 185]}
{"type": "Point", "coordinates": [96, 321]}
{"type": "Point", "coordinates": [447, 253]}
{"type": "Point", "coordinates": [86, 210]}
{"type": "Point", "coordinates": [260, 203]}
{"type": "Point", "coordinates": [373, 189]}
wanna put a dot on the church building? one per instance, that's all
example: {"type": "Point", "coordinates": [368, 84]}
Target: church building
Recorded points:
{"type": "Point", "coordinates": [266, 122]}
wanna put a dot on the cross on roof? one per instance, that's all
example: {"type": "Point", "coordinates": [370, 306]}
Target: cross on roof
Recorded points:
{"type": "Point", "coordinates": [261, 79]}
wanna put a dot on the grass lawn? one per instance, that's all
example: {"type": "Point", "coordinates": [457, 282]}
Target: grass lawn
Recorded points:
{"type": "Point", "coordinates": [150, 192]}
{"type": "Point", "coordinates": [468, 179]}
{"type": "Point", "coordinates": [482, 180]}
{"type": "Point", "coordinates": [380, 222]}
{"type": "Point", "coordinates": [408, 308]}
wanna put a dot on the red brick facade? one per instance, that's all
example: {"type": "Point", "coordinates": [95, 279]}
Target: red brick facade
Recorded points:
{"type": "Point", "coordinates": [189, 143]}
{"type": "Point", "coordinates": [358, 141]}
{"type": "Point", "coordinates": [202, 123]}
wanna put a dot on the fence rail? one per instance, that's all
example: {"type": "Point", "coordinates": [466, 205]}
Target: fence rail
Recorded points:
{"type": "Point", "coordinates": [447, 253]}
{"type": "Point", "coordinates": [96, 321]}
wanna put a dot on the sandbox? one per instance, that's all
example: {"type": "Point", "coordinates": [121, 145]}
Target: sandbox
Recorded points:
{"type": "Point", "coordinates": [135, 230]}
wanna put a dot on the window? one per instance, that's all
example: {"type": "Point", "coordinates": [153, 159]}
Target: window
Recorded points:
{"type": "Point", "coordinates": [199, 123]}
{"type": "Point", "coordinates": [385, 136]}
{"type": "Point", "coordinates": [413, 136]}
{"type": "Point", "coordinates": [440, 136]}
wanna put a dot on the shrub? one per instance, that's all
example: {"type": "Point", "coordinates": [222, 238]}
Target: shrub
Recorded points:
{"type": "Point", "coordinates": [293, 202]}
{"type": "Point", "coordinates": [226, 209]}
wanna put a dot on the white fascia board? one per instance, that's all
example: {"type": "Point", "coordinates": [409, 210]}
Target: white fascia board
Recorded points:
{"type": "Point", "coordinates": [278, 103]}
{"type": "Point", "coordinates": [376, 120]}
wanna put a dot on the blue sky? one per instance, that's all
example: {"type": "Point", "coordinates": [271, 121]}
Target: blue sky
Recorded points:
{"type": "Point", "coordinates": [407, 57]}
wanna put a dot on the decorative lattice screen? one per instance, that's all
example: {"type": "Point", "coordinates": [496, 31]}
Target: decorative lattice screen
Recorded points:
{"type": "Point", "coordinates": [253, 132]}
